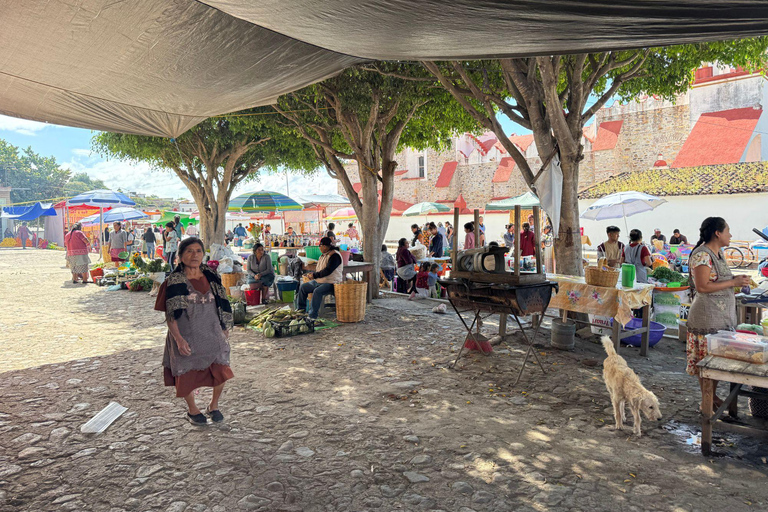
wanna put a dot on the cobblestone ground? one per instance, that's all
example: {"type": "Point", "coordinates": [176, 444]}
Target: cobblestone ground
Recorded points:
{"type": "Point", "coordinates": [360, 417]}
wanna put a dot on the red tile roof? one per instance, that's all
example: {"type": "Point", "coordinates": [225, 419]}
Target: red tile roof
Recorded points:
{"type": "Point", "coordinates": [718, 138]}
{"type": "Point", "coordinates": [446, 174]}
{"type": "Point", "coordinates": [607, 135]}
{"type": "Point", "coordinates": [521, 141]}
{"type": "Point", "coordinates": [485, 141]}
{"type": "Point", "coordinates": [400, 173]}
{"type": "Point", "coordinates": [504, 170]}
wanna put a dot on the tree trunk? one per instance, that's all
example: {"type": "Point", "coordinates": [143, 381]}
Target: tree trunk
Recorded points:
{"type": "Point", "coordinates": [568, 256]}
{"type": "Point", "coordinates": [212, 221]}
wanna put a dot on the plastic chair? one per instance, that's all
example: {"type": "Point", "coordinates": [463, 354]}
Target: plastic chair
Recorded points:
{"type": "Point", "coordinates": [275, 260]}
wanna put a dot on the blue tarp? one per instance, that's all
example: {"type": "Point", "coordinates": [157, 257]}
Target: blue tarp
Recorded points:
{"type": "Point", "coordinates": [28, 212]}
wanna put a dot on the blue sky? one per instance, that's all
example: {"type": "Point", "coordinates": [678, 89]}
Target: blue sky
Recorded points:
{"type": "Point", "coordinates": [72, 149]}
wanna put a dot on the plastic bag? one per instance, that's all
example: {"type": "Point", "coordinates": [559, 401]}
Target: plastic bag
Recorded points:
{"type": "Point", "coordinates": [220, 252]}
{"type": "Point", "coordinates": [226, 265]}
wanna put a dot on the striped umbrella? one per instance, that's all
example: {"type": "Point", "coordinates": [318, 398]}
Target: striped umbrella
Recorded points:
{"type": "Point", "coordinates": [343, 214]}
{"type": "Point", "coordinates": [263, 201]}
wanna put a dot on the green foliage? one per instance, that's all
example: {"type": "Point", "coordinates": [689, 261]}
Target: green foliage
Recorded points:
{"type": "Point", "coordinates": [31, 176]}
{"type": "Point", "coordinates": [706, 179]}
{"type": "Point", "coordinates": [670, 70]}
{"type": "Point", "coordinates": [273, 145]}
{"type": "Point", "coordinates": [80, 183]}
{"type": "Point", "coordinates": [359, 92]}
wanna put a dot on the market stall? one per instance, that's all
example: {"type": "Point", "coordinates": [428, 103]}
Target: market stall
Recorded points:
{"type": "Point", "coordinates": [740, 360]}
{"type": "Point", "coordinates": [615, 302]}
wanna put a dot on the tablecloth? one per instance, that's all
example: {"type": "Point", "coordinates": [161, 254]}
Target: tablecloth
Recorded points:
{"type": "Point", "coordinates": [618, 302]}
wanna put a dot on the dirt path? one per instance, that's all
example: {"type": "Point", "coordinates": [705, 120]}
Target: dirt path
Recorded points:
{"type": "Point", "coordinates": [360, 417]}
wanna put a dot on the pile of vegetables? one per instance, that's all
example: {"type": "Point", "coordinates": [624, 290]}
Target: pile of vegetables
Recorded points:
{"type": "Point", "coordinates": [157, 265]}
{"type": "Point", "coordinates": [141, 284]}
{"type": "Point", "coordinates": [8, 242]}
{"type": "Point", "coordinates": [266, 320]}
{"type": "Point", "coordinates": [665, 274]}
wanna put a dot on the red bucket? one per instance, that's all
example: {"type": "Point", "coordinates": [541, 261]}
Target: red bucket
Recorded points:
{"type": "Point", "coordinates": [253, 297]}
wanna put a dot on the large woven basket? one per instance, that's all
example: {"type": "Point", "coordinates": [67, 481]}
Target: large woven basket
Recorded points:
{"type": "Point", "coordinates": [230, 279]}
{"type": "Point", "coordinates": [596, 276]}
{"type": "Point", "coordinates": [350, 300]}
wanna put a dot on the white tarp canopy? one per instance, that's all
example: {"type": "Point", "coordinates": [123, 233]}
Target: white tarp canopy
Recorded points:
{"type": "Point", "coordinates": [158, 67]}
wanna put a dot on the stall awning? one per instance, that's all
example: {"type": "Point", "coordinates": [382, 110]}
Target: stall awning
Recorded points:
{"type": "Point", "coordinates": [24, 213]}
{"type": "Point", "coordinates": [156, 67]}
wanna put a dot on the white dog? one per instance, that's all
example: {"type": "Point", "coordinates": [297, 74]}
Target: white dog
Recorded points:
{"type": "Point", "coordinates": [624, 387]}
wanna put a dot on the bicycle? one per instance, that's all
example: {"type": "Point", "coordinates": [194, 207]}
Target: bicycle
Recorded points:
{"type": "Point", "coordinates": [734, 257]}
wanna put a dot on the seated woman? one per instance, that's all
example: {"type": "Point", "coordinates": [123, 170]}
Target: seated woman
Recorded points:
{"type": "Point", "coordinates": [330, 271]}
{"type": "Point", "coordinates": [406, 271]}
{"type": "Point", "coordinates": [261, 273]}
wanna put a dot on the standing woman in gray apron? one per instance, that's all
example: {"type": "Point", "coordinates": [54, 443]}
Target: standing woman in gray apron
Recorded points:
{"type": "Point", "coordinates": [637, 254]}
{"type": "Point", "coordinates": [712, 288]}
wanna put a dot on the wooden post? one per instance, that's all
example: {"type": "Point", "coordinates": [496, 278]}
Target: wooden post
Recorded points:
{"type": "Point", "coordinates": [477, 227]}
{"type": "Point", "coordinates": [455, 248]}
{"type": "Point", "coordinates": [706, 415]}
{"type": "Point", "coordinates": [537, 238]}
{"type": "Point", "coordinates": [517, 240]}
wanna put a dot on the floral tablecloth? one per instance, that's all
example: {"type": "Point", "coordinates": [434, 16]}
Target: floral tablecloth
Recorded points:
{"type": "Point", "coordinates": [618, 302]}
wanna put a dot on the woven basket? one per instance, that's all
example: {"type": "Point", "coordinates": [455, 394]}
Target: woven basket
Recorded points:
{"type": "Point", "coordinates": [230, 279]}
{"type": "Point", "coordinates": [350, 300]}
{"type": "Point", "coordinates": [595, 276]}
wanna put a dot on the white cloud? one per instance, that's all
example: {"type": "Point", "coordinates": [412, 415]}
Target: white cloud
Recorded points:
{"type": "Point", "coordinates": [298, 185]}
{"type": "Point", "coordinates": [140, 177]}
{"type": "Point", "coordinates": [22, 126]}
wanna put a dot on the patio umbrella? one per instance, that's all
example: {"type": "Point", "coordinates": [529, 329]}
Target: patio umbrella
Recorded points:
{"type": "Point", "coordinates": [102, 198]}
{"type": "Point", "coordinates": [425, 209]}
{"type": "Point", "coordinates": [114, 215]}
{"type": "Point", "coordinates": [622, 205]}
{"type": "Point", "coordinates": [527, 200]}
{"type": "Point", "coordinates": [343, 214]}
{"type": "Point", "coordinates": [264, 201]}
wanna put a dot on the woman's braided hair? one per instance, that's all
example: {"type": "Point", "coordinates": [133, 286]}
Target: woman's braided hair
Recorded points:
{"type": "Point", "coordinates": [709, 227]}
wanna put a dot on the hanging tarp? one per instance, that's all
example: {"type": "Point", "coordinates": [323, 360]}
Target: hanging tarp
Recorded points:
{"type": "Point", "coordinates": [158, 67]}
{"type": "Point", "coordinates": [25, 213]}
{"type": "Point", "coordinates": [169, 216]}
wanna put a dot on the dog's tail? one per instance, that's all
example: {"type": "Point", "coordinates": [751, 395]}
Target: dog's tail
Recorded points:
{"type": "Point", "coordinates": [608, 346]}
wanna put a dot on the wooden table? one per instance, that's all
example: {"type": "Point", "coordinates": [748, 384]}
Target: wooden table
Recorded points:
{"type": "Point", "coordinates": [353, 267]}
{"type": "Point", "coordinates": [739, 374]}
{"type": "Point", "coordinates": [617, 302]}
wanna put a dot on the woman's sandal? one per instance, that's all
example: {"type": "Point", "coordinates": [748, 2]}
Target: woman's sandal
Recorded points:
{"type": "Point", "coordinates": [197, 419]}
{"type": "Point", "coordinates": [215, 415]}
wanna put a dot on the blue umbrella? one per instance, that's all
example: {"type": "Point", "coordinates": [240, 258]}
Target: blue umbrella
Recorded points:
{"type": "Point", "coordinates": [102, 198]}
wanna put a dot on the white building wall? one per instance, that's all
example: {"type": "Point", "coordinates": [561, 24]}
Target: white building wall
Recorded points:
{"type": "Point", "coordinates": [742, 212]}
{"type": "Point", "coordinates": [739, 92]}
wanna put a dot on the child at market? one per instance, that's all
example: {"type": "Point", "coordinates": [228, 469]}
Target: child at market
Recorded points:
{"type": "Point", "coordinates": [434, 288]}
{"type": "Point", "coordinates": [422, 283]}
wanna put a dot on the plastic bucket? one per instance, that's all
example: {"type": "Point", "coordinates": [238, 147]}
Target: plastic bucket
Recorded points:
{"type": "Point", "coordinates": [344, 257]}
{"type": "Point", "coordinates": [288, 295]}
{"type": "Point", "coordinates": [286, 286]}
{"type": "Point", "coordinates": [253, 297]}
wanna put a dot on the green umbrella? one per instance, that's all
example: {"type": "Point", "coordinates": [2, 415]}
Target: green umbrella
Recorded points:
{"type": "Point", "coordinates": [527, 200]}
{"type": "Point", "coordinates": [425, 209]}
{"type": "Point", "coordinates": [263, 201]}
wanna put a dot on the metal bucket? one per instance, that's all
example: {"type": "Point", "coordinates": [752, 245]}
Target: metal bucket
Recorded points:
{"type": "Point", "coordinates": [563, 334]}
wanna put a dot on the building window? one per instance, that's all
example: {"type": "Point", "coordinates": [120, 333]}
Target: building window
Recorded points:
{"type": "Point", "coordinates": [422, 167]}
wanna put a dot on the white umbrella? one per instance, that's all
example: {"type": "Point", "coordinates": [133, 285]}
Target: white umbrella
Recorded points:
{"type": "Point", "coordinates": [114, 215]}
{"type": "Point", "coordinates": [101, 198]}
{"type": "Point", "coordinates": [425, 209]}
{"type": "Point", "coordinates": [622, 205]}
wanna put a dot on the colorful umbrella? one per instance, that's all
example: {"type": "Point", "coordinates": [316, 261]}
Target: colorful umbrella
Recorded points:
{"type": "Point", "coordinates": [425, 209]}
{"type": "Point", "coordinates": [263, 201]}
{"type": "Point", "coordinates": [343, 214]}
{"type": "Point", "coordinates": [101, 198]}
